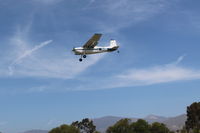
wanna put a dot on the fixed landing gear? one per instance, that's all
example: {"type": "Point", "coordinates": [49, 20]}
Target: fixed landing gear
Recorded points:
{"type": "Point", "coordinates": [117, 51]}
{"type": "Point", "coordinates": [80, 59]}
{"type": "Point", "coordinates": [82, 56]}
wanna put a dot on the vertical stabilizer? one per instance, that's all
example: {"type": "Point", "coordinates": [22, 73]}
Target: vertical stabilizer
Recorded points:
{"type": "Point", "coordinates": [113, 43]}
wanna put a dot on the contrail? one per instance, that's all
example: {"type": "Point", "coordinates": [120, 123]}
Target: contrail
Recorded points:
{"type": "Point", "coordinates": [179, 59]}
{"type": "Point", "coordinates": [26, 54]}
{"type": "Point", "coordinates": [29, 52]}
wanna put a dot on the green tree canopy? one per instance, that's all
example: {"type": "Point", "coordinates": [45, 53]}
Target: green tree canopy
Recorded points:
{"type": "Point", "coordinates": [85, 126]}
{"type": "Point", "coordinates": [193, 117]}
{"type": "Point", "coordinates": [65, 129]}
{"type": "Point", "coordinates": [122, 126]}
{"type": "Point", "coordinates": [159, 128]}
{"type": "Point", "coordinates": [140, 126]}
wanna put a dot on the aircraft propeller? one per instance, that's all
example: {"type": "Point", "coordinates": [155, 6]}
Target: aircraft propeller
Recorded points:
{"type": "Point", "coordinates": [73, 49]}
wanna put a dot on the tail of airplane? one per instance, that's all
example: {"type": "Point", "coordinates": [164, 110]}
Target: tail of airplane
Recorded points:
{"type": "Point", "coordinates": [113, 43]}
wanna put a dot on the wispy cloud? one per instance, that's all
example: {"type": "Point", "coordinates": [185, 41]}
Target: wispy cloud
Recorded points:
{"type": "Point", "coordinates": [157, 74]}
{"type": "Point", "coordinates": [179, 60]}
{"type": "Point", "coordinates": [124, 13]}
{"type": "Point", "coordinates": [26, 60]}
{"type": "Point", "coordinates": [51, 66]}
{"type": "Point", "coordinates": [29, 52]}
{"type": "Point", "coordinates": [171, 72]}
{"type": "Point", "coordinates": [26, 54]}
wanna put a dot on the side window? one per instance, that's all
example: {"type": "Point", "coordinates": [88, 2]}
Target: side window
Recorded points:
{"type": "Point", "coordinates": [100, 49]}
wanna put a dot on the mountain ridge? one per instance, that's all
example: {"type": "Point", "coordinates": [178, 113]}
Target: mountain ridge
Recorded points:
{"type": "Point", "coordinates": [36, 131]}
{"type": "Point", "coordinates": [102, 123]}
{"type": "Point", "coordinates": [173, 123]}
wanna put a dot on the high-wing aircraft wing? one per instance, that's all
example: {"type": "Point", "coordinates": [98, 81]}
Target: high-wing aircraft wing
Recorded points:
{"type": "Point", "coordinates": [93, 41]}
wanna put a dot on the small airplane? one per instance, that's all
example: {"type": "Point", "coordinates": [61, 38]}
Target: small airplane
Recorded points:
{"type": "Point", "coordinates": [90, 47]}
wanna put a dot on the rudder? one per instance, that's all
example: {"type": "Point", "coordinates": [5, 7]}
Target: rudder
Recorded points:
{"type": "Point", "coordinates": [113, 43]}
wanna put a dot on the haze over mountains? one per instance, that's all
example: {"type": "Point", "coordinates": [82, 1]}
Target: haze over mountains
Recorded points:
{"type": "Point", "coordinates": [173, 123]}
{"type": "Point", "coordinates": [36, 131]}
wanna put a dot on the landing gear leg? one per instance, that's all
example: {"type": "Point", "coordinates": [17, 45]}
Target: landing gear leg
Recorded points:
{"type": "Point", "coordinates": [81, 58]}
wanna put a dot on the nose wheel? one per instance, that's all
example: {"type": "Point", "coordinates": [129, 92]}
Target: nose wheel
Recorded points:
{"type": "Point", "coordinates": [84, 56]}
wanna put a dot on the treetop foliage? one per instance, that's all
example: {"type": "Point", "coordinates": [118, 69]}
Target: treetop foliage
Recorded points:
{"type": "Point", "coordinates": [140, 126]}
{"type": "Point", "coordinates": [193, 117]}
{"type": "Point", "coordinates": [65, 129]}
{"type": "Point", "coordinates": [85, 126]}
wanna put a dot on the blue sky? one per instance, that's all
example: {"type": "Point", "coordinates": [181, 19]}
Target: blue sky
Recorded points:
{"type": "Point", "coordinates": [42, 84]}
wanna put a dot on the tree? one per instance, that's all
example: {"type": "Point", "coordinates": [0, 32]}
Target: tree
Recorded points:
{"type": "Point", "coordinates": [125, 126]}
{"type": "Point", "coordinates": [65, 129]}
{"type": "Point", "coordinates": [85, 126]}
{"type": "Point", "coordinates": [122, 126]}
{"type": "Point", "coordinates": [141, 126]}
{"type": "Point", "coordinates": [159, 128]}
{"type": "Point", "coordinates": [193, 117]}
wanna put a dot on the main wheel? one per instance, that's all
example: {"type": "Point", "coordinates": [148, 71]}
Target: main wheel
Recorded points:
{"type": "Point", "coordinates": [84, 56]}
{"type": "Point", "coordinates": [80, 59]}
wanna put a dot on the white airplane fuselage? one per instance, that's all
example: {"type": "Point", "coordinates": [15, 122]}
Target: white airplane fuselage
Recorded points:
{"type": "Point", "coordinates": [95, 50]}
{"type": "Point", "coordinates": [89, 48]}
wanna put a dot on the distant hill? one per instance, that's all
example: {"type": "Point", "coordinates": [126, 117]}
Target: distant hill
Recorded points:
{"type": "Point", "coordinates": [154, 118]}
{"type": "Point", "coordinates": [173, 123]}
{"type": "Point", "coordinates": [36, 131]}
{"type": "Point", "coordinates": [104, 122]}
